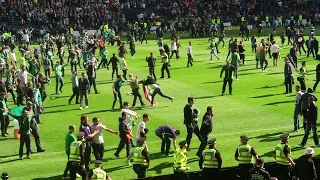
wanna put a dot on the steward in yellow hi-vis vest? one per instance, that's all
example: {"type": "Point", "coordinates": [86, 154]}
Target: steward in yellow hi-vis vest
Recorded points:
{"type": "Point", "coordinates": [282, 154]}
{"type": "Point", "coordinates": [246, 156]}
{"type": "Point", "coordinates": [210, 161]}
{"type": "Point", "coordinates": [141, 158]}
{"type": "Point", "coordinates": [180, 161]}
{"type": "Point", "coordinates": [98, 173]}
{"type": "Point", "coordinates": [76, 157]}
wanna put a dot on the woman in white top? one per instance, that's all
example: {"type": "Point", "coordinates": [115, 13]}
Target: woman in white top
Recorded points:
{"type": "Point", "coordinates": [275, 53]}
{"type": "Point", "coordinates": [174, 49]}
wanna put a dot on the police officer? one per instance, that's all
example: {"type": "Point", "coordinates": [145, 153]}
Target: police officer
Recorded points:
{"type": "Point", "coordinates": [180, 161]}
{"type": "Point", "coordinates": [141, 158]}
{"type": "Point", "coordinates": [245, 154]}
{"type": "Point", "coordinates": [76, 158]}
{"type": "Point", "coordinates": [258, 172]}
{"type": "Point", "coordinates": [282, 154]}
{"type": "Point", "coordinates": [210, 161]}
{"type": "Point", "coordinates": [98, 173]}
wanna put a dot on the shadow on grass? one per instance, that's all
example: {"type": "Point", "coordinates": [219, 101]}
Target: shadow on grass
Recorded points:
{"type": "Point", "coordinates": [59, 111]}
{"type": "Point", "coordinates": [105, 82]}
{"type": "Point", "coordinates": [267, 95]}
{"type": "Point", "coordinates": [8, 156]}
{"type": "Point", "coordinates": [5, 139]}
{"type": "Point", "coordinates": [108, 170]}
{"type": "Point", "coordinates": [60, 105]}
{"type": "Point", "coordinates": [207, 97]}
{"type": "Point", "coordinates": [267, 154]}
{"type": "Point", "coordinates": [55, 96]}
{"type": "Point", "coordinates": [274, 73]}
{"type": "Point", "coordinates": [8, 161]}
{"type": "Point", "coordinates": [49, 178]}
{"type": "Point", "coordinates": [279, 102]}
{"type": "Point", "coordinates": [212, 82]}
{"type": "Point", "coordinates": [268, 87]}
{"type": "Point", "coordinates": [158, 168]}
{"type": "Point", "coordinates": [274, 137]}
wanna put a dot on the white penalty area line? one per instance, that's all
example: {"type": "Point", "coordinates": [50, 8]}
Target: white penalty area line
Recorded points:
{"type": "Point", "coordinates": [158, 141]}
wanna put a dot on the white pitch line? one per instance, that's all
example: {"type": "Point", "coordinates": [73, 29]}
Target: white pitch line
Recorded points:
{"type": "Point", "coordinates": [158, 141]}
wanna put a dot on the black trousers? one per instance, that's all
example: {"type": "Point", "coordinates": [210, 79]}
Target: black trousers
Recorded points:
{"type": "Point", "coordinates": [151, 72]}
{"type": "Point", "coordinates": [67, 166]}
{"type": "Point", "coordinates": [190, 130]}
{"type": "Point", "coordinates": [242, 58]}
{"type": "Point", "coordinates": [310, 50]}
{"type": "Point", "coordinates": [87, 155]}
{"type": "Point", "coordinates": [114, 70]}
{"type": "Point", "coordinates": [244, 171]}
{"type": "Point", "coordinates": [225, 81]}
{"type": "Point", "coordinates": [190, 60]}
{"type": "Point", "coordinates": [283, 172]}
{"type": "Point", "coordinates": [302, 83]}
{"type": "Point", "coordinates": [165, 143]}
{"type": "Point", "coordinates": [181, 175]}
{"type": "Point", "coordinates": [136, 94]}
{"type": "Point", "coordinates": [144, 38]}
{"type": "Point", "coordinates": [316, 83]}
{"type": "Point", "coordinates": [210, 173]}
{"type": "Point", "coordinates": [36, 136]}
{"type": "Point", "coordinates": [9, 90]}
{"type": "Point", "coordinates": [140, 170]}
{"type": "Point", "coordinates": [288, 84]}
{"type": "Point", "coordinates": [165, 66]}
{"type": "Point", "coordinates": [92, 81]}
{"type": "Point", "coordinates": [20, 100]}
{"type": "Point", "coordinates": [123, 142]}
{"type": "Point", "coordinates": [75, 167]}
{"type": "Point", "coordinates": [24, 140]}
{"type": "Point", "coordinates": [5, 121]}
{"type": "Point", "coordinates": [103, 62]}
{"type": "Point", "coordinates": [75, 93]}
{"type": "Point", "coordinates": [98, 150]}
{"type": "Point", "coordinates": [124, 74]}
{"type": "Point", "coordinates": [158, 91]}
{"type": "Point", "coordinates": [204, 140]}
{"type": "Point", "coordinates": [175, 52]}
{"type": "Point", "coordinates": [116, 96]}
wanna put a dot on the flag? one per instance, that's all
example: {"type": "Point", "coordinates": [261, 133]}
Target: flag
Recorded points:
{"type": "Point", "coordinates": [17, 110]}
{"type": "Point", "coordinates": [147, 91]}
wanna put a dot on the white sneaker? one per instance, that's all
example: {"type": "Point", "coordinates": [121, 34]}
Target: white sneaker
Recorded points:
{"type": "Point", "coordinates": [86, 107]}
{"type": "Point", "coordinates": [80, 108]}
{"type": "Point", "coordinates": [237, 79]}
{"type": "Point", "coordinates": [78, 175]}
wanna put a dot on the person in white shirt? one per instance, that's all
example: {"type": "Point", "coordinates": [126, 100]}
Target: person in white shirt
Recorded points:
{"type": "Point", "coordinates": [190, 56]}
{"type": "Point", "coordinates": [23, 75]}
{"type": "Point", "coordinates": [130, 118]}
{"type": "Point", "coordinates": [275, 53]}
{"type": "Point", "coordinates": [142, 130]}
{"type": "Point", "coordinates": [174, 49]}
{"type": "Point", "coordinates": [97, 140]}
{"type": "Point", "coordinates": [297, 109]}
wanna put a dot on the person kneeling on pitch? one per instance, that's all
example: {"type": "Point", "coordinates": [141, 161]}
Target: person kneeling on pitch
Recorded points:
{"type": "Point", "coordinates": [98, 173]}
{"type": "Point", "coordinates": [141, 158]}
{"type": "Point", "coordinates": [76, 158]}
{"type": "Point", "coordinates": [210, 161]}
{"type": "Point", "coordinates": [180, 161]}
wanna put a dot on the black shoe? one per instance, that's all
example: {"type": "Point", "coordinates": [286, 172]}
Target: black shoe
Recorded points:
{"type": "Point", "coordinates": [161, 77]}
{"type": "Point", "coordinates": [41, 150]}
{"type": "Point", "coordinates": [60, 90]}
{"type": "Point", "coordinates": [97, 92]}
{"type": "Point", "coordinates": [132, 145]}
{"type": "Point", "coordinates": [116, 155]}
{"type": "Point", "coordinates": [77, 103]}
{"type": "Point", "coordinates": [69, 102]}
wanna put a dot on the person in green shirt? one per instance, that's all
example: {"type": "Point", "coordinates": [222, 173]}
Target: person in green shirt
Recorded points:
{"type": "Point", "coordinates": [123, 66]}
{"type": "Point", "coordinates": [25, 124]}
{"type": "Point", "coordinates": [116, 91]}
{"type": "Point", "coordinates": [59, 79]}
{"type": "Point", "coordinates": [235, 59]}
{"type": "Point", "coordinates": [69, 138]}
{"type": "Point", "coordinates": [34, 70]}
{"type": "Point", "coordinates": [104, 59]}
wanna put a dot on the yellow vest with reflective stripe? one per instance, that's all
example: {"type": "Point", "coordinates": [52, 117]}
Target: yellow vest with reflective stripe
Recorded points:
{"type": "Point", "coordinates": [99, 174]}
{"type": "Point", "coordinates": [218, 21]}
{"type": "Point", "coordinates": [209, 158]}
{"type": "Point", "coordinates": [145, 25]}
{"type": "Point", "coordinates": [244, 154]}
{"type": "Point", "coordinates": [300, 17]}
{"type": "Point", "coordinates": [75, 151]}
{"type": "Point", "coordinates": [280, 156]}
{"type": "Point", "coordinates": [138, 158]}
{"type": "Point", "coordinates": [267, 19]}
{"type": "Point", "coordinates": [242, 19]}
{"type": "Point", "coordinates": [213, 21]}
{"type": "Point", "coordinates": [180, 160]}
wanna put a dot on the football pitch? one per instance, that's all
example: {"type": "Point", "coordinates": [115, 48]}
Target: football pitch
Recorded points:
{"type": "Point", "coordinates": [258, 108]}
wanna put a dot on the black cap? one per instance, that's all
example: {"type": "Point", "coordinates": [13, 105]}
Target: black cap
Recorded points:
{"type": "Point", "coordinates": [212, 141]}
{"type": "Point", "coordinates": [182, 143]}
{"type": "Point", "coordinates": [5, 175]}
{"type": "Point", "coordinates": [284, 136]}
{"type": "Point", "coordinates": [244, 138]}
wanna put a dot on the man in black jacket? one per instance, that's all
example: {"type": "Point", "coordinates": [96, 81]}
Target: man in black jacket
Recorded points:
{"type": "Point", "coordinates": [315, 45]}
{"type": "Point", "coordinates": [304, 104]}
{"type": "Point", "coordinates": [206, 129]}
{"type": "Point", "coordinates": [191, 126]}
{"type": "Point", "coordinates": [258, 172]}
{"type": "Point", "coordinates": [310, 46]}
{"type": "Point", "coordinates": [317, 77]}
{"type": "Point", "coordinates": [151, 64]}
{"type": "Point", "coordinates": [288, 72]}
{"type": "Point", "coordinates": [228, 69]}
{"type": "Point", "coordinates": [123, 133]}
{"type": "Point", "coordinates": [83, 89]}
{"type": "Point", "coordinates": [293, 54]}
{"type": "Point", "coordinates": [114, 62]}
{"type": "Point", "coordinates": [305, 168]}
{"type": "Point", "coordinates": [311, 123]}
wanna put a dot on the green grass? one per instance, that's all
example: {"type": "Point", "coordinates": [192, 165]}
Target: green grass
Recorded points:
{"type": "Point", "coordinates": [258, 109]}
